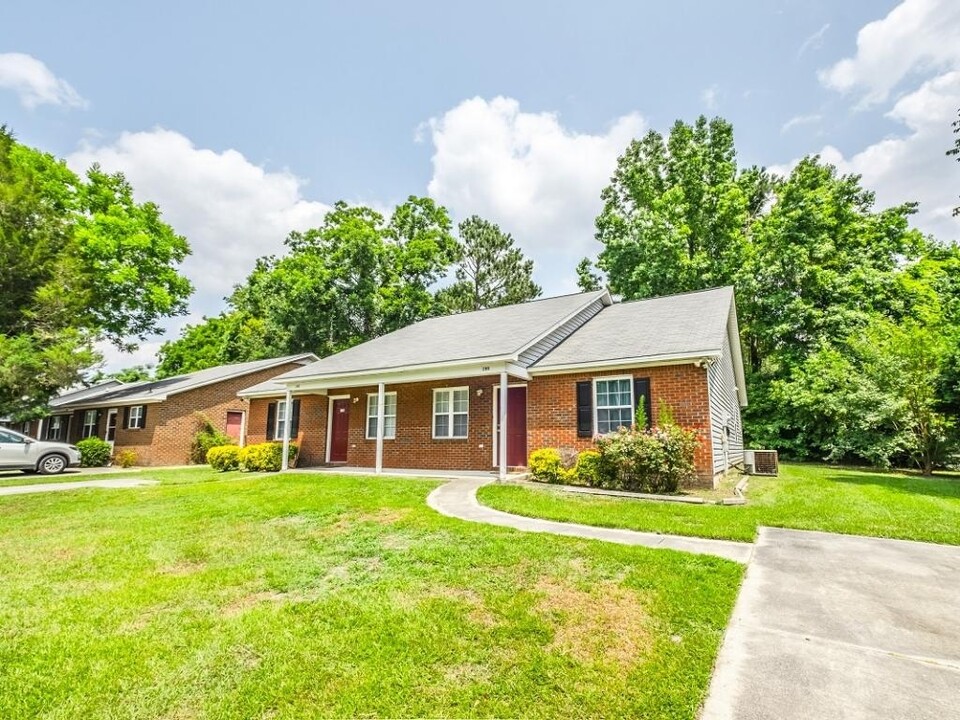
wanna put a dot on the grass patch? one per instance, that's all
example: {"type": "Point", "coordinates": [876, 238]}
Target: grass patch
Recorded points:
{"type": "Point", "coordinates": [299, 595]}
{"type": "Point", "coordinates": [804, 497]}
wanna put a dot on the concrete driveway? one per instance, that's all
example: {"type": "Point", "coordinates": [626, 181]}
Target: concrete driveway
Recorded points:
{"type": "Point", "coordinates": [833, 626]}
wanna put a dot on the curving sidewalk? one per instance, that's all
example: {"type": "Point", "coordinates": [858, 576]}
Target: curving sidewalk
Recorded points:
{"type": "Point", "coordinates": [458, 499]}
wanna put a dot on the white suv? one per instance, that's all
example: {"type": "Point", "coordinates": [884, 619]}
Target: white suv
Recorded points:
{"type": "Point", "coordinates": [19, 452]}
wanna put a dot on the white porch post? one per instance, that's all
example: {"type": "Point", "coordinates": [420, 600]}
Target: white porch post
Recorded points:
{"type": "Point", "coordinates": [287, 419]}
{"type": "Point", "coordinates": [502, 450]}
{"type": "Point", "coordinates": [380, 413]}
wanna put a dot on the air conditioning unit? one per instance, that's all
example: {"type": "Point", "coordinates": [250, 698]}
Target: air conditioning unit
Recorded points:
{"type": "Point", "coordinates": [761, 462]}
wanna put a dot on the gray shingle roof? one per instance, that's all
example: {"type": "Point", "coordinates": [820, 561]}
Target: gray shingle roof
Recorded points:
{"type": "Point", "coordinates": [494, 333]}
{"type": "Point", "coordinates": [659, 327]}
{"type": "Point", "coordinates": [154, 390]}
{"type": "Point", "coordinates": [85, 393]}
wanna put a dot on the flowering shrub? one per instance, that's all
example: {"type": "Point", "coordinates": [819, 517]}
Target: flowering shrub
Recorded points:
{"type": "Point", "coordinates": [658, 460]}
{"type": "Point", "coordinates": [546, 465]}
{"type": "Point", "coordinates": [125, 458]}
{"type": "Point", "coordinates": [587, 469]}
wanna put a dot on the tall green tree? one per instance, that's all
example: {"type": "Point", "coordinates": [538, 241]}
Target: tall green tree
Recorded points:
{"type": "Point", "coordinates": [356, 276]}
{"type": "Point", "coordinates": [676, 212]}
{"type": "Point", "coordinates": [80, 261]}
{"type": "Point", "coordinates": [955, 151]}
{"type": "Point", "coordinates": [588, 279]}
{"type": "Point", "coordinates": [492, 270]}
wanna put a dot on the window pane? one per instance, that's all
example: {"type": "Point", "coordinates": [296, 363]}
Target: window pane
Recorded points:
{"type": "Point", "coordinates": [441, 402]}
{"type": "Point", "coordinates": [389, 426]}
{"type": "Point", "coordinates": [461, 400]}
{"type": "Point", "coordinates": [624, 417]}
{"type": "Point", "coordinates": [460, 425]}
{"type": "Point", "coordinates": [390, 404]}
{"type": "Point", "coordinates": [441, 425]}
{"type": "Point", "coordinates": [371, 405]}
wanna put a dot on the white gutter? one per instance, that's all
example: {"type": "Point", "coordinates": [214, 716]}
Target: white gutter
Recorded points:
{"type": "Point", "coordinates": [643, 361]}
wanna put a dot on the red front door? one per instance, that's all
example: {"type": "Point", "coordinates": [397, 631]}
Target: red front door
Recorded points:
{"type": "Point", "coordinates": [234, 424]}
{"type": "Point", "coordinates": [516, 426]}
{"type": "Point", "coordinates": [339, 430]}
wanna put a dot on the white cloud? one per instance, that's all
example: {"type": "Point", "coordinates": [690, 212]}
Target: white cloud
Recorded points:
{"type": "Point", "coordinates": [814, 41]}
{"type": "Point", "coordinates": [912, 165]}
{"type": "Point", "coordinates": [34, 82]}
{"type": "Point", "coordinates": [230, 210]}
{"type": "Point", "coordinates": [711, 96]}
{"type": "Point", "coordinates": [539, 181]}
{"type": "Point", "coordinates": [916, 36]}
{"type": "Point", "coordinates": [799, 120]}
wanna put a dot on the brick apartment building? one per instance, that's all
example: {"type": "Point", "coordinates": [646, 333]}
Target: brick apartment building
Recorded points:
{"type": "Point", "coordinates": [157, 419]}
{"type": "Point", "coordinates": [571, 367]}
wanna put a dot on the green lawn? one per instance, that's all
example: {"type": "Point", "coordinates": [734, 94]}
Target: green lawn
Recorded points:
{"type": "Point", "coordinates": [298, 595]}
{"type": "Point", "coordinates": [804, 497]}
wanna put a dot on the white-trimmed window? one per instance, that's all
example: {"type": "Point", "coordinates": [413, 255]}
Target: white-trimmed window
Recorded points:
{"type": "Point", "coordinates": [136, 417]}
{"type": "Point", "coordinates": [54, 428]}
{"type": "Point", "coordinates": [89, 423]}
{"type": "Point", "coordinates": [451, 412]}
{"type": "Point", "coordinates": [389, 416]}
{"type": "Point", "coordinates": [614, 403]}
{"type": "Point", "coordinates": [280, 422]}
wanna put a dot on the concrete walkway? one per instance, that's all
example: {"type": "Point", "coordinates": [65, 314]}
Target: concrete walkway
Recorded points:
{"type": "Point", "coordinates": [458, 499]}
{"type": "Point", "coordinates": [76, 485]}
{"type": "Point", "coordinates": [837, 626]}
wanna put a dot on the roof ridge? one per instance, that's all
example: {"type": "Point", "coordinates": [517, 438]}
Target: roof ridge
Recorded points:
{"type": "Point", "coordinates": [676, 295]}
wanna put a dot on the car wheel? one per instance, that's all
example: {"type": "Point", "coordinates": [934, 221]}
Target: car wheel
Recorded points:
{"type": "Point", "coordinates": [52, 465]}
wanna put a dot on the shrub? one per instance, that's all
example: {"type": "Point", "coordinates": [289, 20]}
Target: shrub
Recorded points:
{"type": "Point", "coordinates": [587, 470]}
{"type": "Point", "coordinates": [264, 457]}
{"type": "Point", "coordinates": [224, 457]}
{"type": "Point", "coordinates": [658, 460]}
{"type": "Point", "coordinates": [207, 437]}
{"type": "Point", "coordinates": [125, 458]}
{"type": "Point", "coordinates": [94, 452]}
{"type": "Point", "coordinates": [546, 465]}
{"type": "Point", "coordinates": [568, 458]}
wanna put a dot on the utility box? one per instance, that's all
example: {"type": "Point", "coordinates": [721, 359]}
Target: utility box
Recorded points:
{"type": "Point", "coordinates": [761, 462]}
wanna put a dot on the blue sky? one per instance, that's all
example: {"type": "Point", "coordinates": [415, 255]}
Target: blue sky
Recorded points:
{"type": "Point", "coordinates": [247, 122]}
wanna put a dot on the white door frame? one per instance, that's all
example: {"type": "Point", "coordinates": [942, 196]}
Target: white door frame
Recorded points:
{"type": "Point", "coordinates": [330, 399]}
{"type": "Point", "coordinates": [496, 416]}
{"type": "Point", "coordinates": [106, 426]}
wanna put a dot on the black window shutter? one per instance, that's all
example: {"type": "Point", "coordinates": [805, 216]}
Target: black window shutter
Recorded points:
{"type": "Point", "coordinates": [295, 422]}
{"type": "Point", "coordinates": [126, 417]}
{"type": "Point", "coordinates": [641, 391]}
{"type": "Point", "coordinates": [271, 419]}
{"type": "Point", "coordinates": [585, 409]}
{"type": "Point", "coordinates": [143, 417]}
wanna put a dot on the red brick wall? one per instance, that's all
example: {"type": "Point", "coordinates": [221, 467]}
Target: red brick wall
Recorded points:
{"type": "Point", "coordinates": [552, 407]}
{"type": "Point", "coordinates": [551, 419]}
{"type": "Point", "coordinates": [171, 424]}
{"type": "Point", "coordinates": [313, 426]}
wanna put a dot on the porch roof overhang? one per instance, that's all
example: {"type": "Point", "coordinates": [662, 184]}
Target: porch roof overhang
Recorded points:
{"type": "Point", "coordinates": [419, 373]}
{"type": "Point", "coordinates": [704, 357]}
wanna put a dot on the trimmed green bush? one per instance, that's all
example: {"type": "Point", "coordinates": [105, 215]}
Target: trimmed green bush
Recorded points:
{"type": "Point", "coordinates": [658, 460]}
{"type": "Point", "coordinates": [207, 437]}
{"type": "Point", "coordinates": [125, 458]}
{"type": "Point", "coordinates": [94, 452]}
{"type": "Point", "coordinates": [224, 457]}
{"type": "Point", "coordinates": [587, 469]}
{"type": "Point", "coordinates": [546, 465]}
{"type": "Point", "coordinates": [264, 457]}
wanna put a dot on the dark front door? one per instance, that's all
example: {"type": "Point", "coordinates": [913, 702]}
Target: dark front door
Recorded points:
{"type": "Point", "coordinates": [339, 430]}
{"type": "Point", "coordinates": [234, 424]}
{"type": "Point", "coordinates": [516, 426]}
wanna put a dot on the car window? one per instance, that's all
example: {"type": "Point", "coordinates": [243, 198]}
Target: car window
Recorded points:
{"type": "Point", "coordinates": [9, 437]}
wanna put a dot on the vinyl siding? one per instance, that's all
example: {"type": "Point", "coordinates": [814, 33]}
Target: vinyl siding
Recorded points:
{"type": "Point", "coordinates": [548, 343]}
{"type": "Point", "coordinates": [724, 409]}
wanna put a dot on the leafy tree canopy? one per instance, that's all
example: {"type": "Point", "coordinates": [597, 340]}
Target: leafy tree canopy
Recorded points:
{"type": "Point", "coordinates": [80, 261]}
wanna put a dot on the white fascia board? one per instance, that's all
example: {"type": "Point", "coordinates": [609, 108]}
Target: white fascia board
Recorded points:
{"type": "Point", "coordinates": [445, 371]}
{"type": "Point", "coordinates": [279, 392]}
{"type": "Point", "coordinates": [118, 403]}
{"type": "Point", "coordinates": [736, 352]}
{"type": "Point", "coordinates": [648, 361]}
